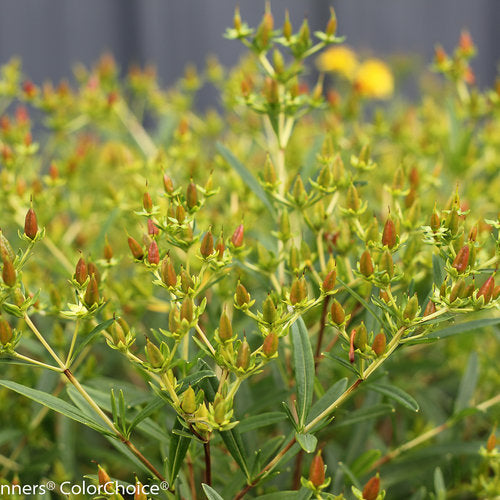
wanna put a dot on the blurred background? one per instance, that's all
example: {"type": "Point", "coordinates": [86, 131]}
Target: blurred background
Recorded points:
{"type": "Point", "coordinates": [52, 35]}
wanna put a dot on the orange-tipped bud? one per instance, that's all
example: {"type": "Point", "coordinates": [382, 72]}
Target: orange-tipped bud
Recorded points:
{"type": "Point", "coordinates": [317, 470]}
{"type": "Point", "coordinates": [135, 248]}
{"type": "Point", "coordinates": [243, 357]}
{"type": "Point", "coordinates": [242, 296]}
{"type": "Point", "coordinates": [372, 488]}
{"type": "Point", "coordinates": [329, 281]}
{"type": "Point", "coordinates": [81, 271]}
{"type": "Point", "coordinates": [337, 312]}
{"type": "Point", "coordinates": [147, 202]}
{"type": "Point", "coordinates": [91, 293]}
{"type": "Point", "coordinates": [492, 441]}
{"type": "Point", "coordinates": [168, 275]}
{"type": "Point", "coordinates": [8, 273]}
{"type": "Point", "coordinates": [378, 345]}
{"type": "Point", "coordinates": [5, 331]}
{"type": "Point", "coordinates": [487, 289]}
{"type": "Point", "coordinates": [102, 476]}
{"type": "Point", "coordinates": [430, 308]}
{"type": "Point", "coordinates": [462, 259]}
{"type": "Point", "coordinates": [389, 233]}
{"type": "Point", "coordinates": [366, 264]}
{"type": "Point", "coordinates": [30, 224]}
{"type": "Point", "coordinates": [168, 185]}
{"type": "Point", "coordinates": [270, 345]}
{"type": "Point", "coordinates": [237, 238]}
{"type": "Point", "coordinates": [435, 221]}
{"type": "Point", "coordinates": [331, 27]}
{"type": "Point", "coordinates": [108, 251]}
{"type": "Point", "coordinates": [153, 253]}
{"type": "Point", "coordinates": [207, 245]}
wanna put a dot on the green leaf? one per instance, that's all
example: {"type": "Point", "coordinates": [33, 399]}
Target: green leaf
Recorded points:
{"type": "Point", "coordinates": [91, 336]}
{"type": "Point", "coordinates": [148, 410]}
{"type": "Point", "coordinates": [348, 472]}
{"type": "Point", "coordinates": [342, 361]}
{"type": "Point", "coordinates": [438, 269]}
{"type": "Point", "coordinates": [363, 463]}
{"type": "Point", "coordinates": [397, 394]}
{"type": "Point", "coordinates": [331, 395]}
{"type": "Point", "coordinates": [232, 440]}
{"type": "Point", "coordinates": [464, 327]}
{"type": "Point", "coordinates": [467, 384]}
{"type": "Point", "coordinates": [246, 176]}
{"type": "Point", "coordinates": [210, 492]}
{"type": "Point", "coordinates": [439, 486]}
{"type": "Point", "coordinates": [195, 378]}
{"type": "Point", "coordinates": [178, 448]}
{"type": "Point", "coordinates": [282, 495]}
{"type": "Point", "coordinates": [303, 364]}
{"type": "Point", "coordinates": [362, 414]}
{"type": "Point", "coordinates": [55, 404]}
{"type": "Point", "coordinates": [262, 420]}
{"type": "Point", "coordinates": [307, 442]}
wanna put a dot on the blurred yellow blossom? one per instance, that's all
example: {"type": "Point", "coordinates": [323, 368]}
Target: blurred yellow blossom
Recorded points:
{"type": "Point", "coordinates": [374, 79]}
{"type": "Point", "coordinates": [339, 60]}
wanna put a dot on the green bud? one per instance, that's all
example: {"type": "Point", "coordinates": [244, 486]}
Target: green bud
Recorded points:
{"type": "Point", "coordinates": [269, 312]}
{"type": "Point", "coordinates": [353, 202]}
{"type": "Point", "coordinates": [243, 356]}
{"type": "Point", "coordinates": [366, 264]}
{"type": "Point", "coordinates": [458, 290]}
{"type": "Point", "coordinates": [188, 404]}
{"type": "Point", "coordinates": [154, 354]}
{"type": "Point", "coordinates": [92, 292]}
{"type": "Point", "coordinates": [186, 281]}
{"type": "Point", "coordinates": [298, 191]}
{"type": "Point", "coordinates": [5, 331]}
{"type": "Point", "coordinates": [242, 296]}
{"type": "Point", "coordinates": [386, 263]}
{"type": "Point", "coordinates": [225, 327]}
{"type": "Point", "coordinates": [187, 309]}
{"type": "Point", "coordinates": [219, 411]}
{"type": "Point", "coordinates": [361, 337]}
{"type": "Point", "coordinates": [411, 308]}
{"type": "Point", "coordinates": [294, 259]}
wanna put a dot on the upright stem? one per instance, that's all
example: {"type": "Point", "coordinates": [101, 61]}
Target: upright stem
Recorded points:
{"type": "Point", "coordinates": [208, 463]}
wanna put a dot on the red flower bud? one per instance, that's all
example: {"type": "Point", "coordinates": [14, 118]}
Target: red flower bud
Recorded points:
{"type": "Point", "coordinates": [389, 234]}
{"type": "Point", "coordinates": [153, 253]}
{"type": "Point", "coordinates": [462, 259]}
{"type": "Point", "coordinates": [329, 282]}
{"type": "Point", "coordinates": [147, 202]}
{"type": "Point", "coordinates": [237, 238]}
{"type": "Point", "coordinates": [317, 470]}
{"type": "Point", "coordinates": [430, 308]}
{"type": "Point", "coordinates": [378, 345]}
{"type": "Point", "coordinates": [92, 270]}
{"type": "Point", "coordinates": [8, 273]}
{"type": "Point", "coordinates": [81, 272]}
{"type": "Point", "coordinates": [152, 228]}
{"type": "Point", "coordinates": [351, 346]}
{"type": "Point", "coordinates": [30, 224]}
{"type": "Point", "coordinates": [135, 248]}
{"type": "Point", "coordinates": [487, 289]}
{"type": "Point", "coordinates": [270, 345]}
{"type": "Point", "coordinates": [5, 331]}
{"type": "Point", "coordinates": [337, 312]}
{"type": "Point", "coordinates": [371, 489]}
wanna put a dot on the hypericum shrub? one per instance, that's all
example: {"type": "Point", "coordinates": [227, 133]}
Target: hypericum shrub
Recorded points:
{"type": "Point", "coordinates": [247, 302]}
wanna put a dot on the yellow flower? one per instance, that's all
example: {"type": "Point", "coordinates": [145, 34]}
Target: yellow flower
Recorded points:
{"type": "Point", "coordinates": [374, 79]}
{"type": "Point", "coordinates": [339, 60]}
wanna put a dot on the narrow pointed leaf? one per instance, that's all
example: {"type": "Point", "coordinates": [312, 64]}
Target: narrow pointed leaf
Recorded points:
{"type": "Point", "coordinates": [397, 394]}
{"type": "Point", "coordinates": [178, 448]}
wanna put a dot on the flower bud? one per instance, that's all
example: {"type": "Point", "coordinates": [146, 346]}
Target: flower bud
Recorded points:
{"type": "Point", "coordinates": [361, 337]}
{"type": "Point", "coordinates": [135, 248]}
{"type": "Point", "coordinates": [270, 345]}
{"type": "Point", "coordinates": [411, 308]}
{"type": "Point", "coordinates": [30, 224]}
{"type": "Point", "coordinates": [152, 228]}
{"type": "Point", "coordinates": [269, 171]}
{"type": "Point", "coordinates": [496, 292]}
{"type": "Point", "coordinates": [153, 253]}
{"type": "Point", "coordinates": [243, 357]}
{"type": "Point", "coordinates": [6, 251]}
{"type": "Point", "coordinates": [180, 214]}
{"type": "Point", "coordinates": [91, 293]}
{"type": "Point", "coordinates": [207, 245]}
{"type": "Point", "coordinates": [103, 477]}
{"type": "Point", "coordinates": [458, 290]}
{"type": "Point", "coordinates": [186, 281]}
{"type": "Point", "coordinates": [337, 312]}
{"type": "Point", "coordinates": [298, 191]}
{"type": "Point", "coordinates": [9, 273]}
{"type": "Point", "coordinates": [220, 247]}
{"type": "Point", "coordinates": [147, 202]}
{"type": "Point", "coordinates": [486, 290]}
{"type": "Point", "coordinates": [371, 489]}
{"type": "Point", "coordinates": [353, 202]}
{"type": "Point", "coordinates": [139, 494]}
{"type": "Point", "coordinates": [108, 251]}
{"type": "Point", "coordinates": [187, 309]}
{"type": "Point", "coordinates": [188, 404]}
{"type": "Point", "coordinates": [219, 411]}
{"type": "Point", "coordinates": [81, 271]}
{"type": "Point", "coordinates": [269, 312]}
{"type": "Point", "coordinates": [298, 291]}
{"type": "Point", "coordinates": [378, 345]}
{"type": "Point", "coordinates": [384, 296]}
{"type": "Point", "coordinates": [452, 221]}
{"type": "Point", "coordinates": [92, 270]}
{"type": "Point", "coordinates": [278, 62]}
{"type": "Point", "coordinates": [294, 259]}
{"type": "Point", "coordinates": [366, 264]}
{"type": "Point", "coordinates": [168, 275]}
{"type": "Point", "coordinates": [154, 354]}
{"type": "Point", "coordinates": [225, 327]}
{"type": "Point", "coordinates": [414, 177]}
{"type": "Point", "coordinates": [386, 263]}
{"type": "Point", "coordinates": [242, 296]}
{"type": "Point", "coordinates": [351, 346]}
{"type": "Point", "coordinates": [492, 441]}
{"type": "Point", "coordinates": [117, 333]}
{"type": "Point", "coordinates": [191, 195]}
{"type": "Point", "coordinates": [173, 320]}
{"type": "Point", "coordinates": [317, 470]}
{"type": "Point", "coordinates": [237, 19]}
{"type": "Point", "coordinates": [304, 33]}
{"type": "Point", "coordinates": [287, 26]}
{"type": "Point", "coordinates": [389, 233]}
{"type": "Point", "coordinates": [5, 331]}
{"type": "Point", "coordinates": [237, 238]}
{"type": "Point", "coordinates": [435, 221]}
{"type": "Point", "coordinates": [329, 281]}
{"type": "Point", "coordinates": [331, 27]}
{"type": "Point", "coordinates": [168, 185]}
{"type": "Point", "coordinates": [462, 259]}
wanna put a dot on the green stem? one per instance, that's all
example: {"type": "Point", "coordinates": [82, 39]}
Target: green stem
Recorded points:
{"type": "Point", "coordinates": [36, 362]}
{"type": "Point", "coordinates": [73, 342]}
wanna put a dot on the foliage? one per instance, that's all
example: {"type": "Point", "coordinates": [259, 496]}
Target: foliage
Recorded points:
{"type": "Point", "coordinates": [213, 298]}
